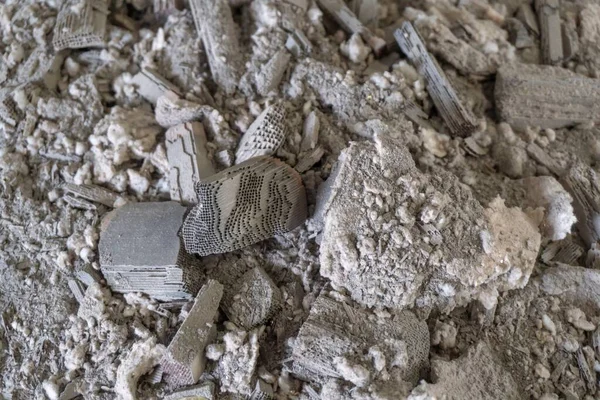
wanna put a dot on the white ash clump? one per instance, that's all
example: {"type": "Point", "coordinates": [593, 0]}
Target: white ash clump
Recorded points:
{"type": "Point", "coordinates": [128, 135]}
{"type": "Point", "coordinates": [236, 367]}
{"type": "Point", "coordinates": [548, 193]}
{"type": "Point", "coordinates": [416, 239]}
{"type": "Point", "coordinates": [140, 360]}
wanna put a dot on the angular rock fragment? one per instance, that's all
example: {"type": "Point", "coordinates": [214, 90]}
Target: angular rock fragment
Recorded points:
{"type": "Point", "coordinates": [165, 7]}
{"type": "Point", "coordinates": [519, 35]}
{"type": "Point", "coordinates": [171, 110]}
{"type": "Point", "coordinates": [551, 32]}
{"type": "Point", "coordinates": [80, 23]}
{"type": "Point", "coordinates": [298, 44]}
{"type": "Point", "coordinates": [77, 289]}
{"type": "Point", "coordinates": [544, 96]}
{"type": "Point", "coordinates": [527, 16]}
{"type": "Point", "coordinates": [539, 155]}
{"type": "Point", "coordinates": [576, 285]}
{"type": "Point", "coordinates": [310, 132]}
{"type": "Point", "coordinates": [184, 360]}
{"type": "Point", "coordinates": [350, 23]}
{"type": "Point", "coordinates": [335, 331]}
{"type": "Point", "coordinates": [266, 134]}
{"type": "Point", "coordinates": [141, 251]}
{"type": "Point", "coordinates": [308, 159]}
{"type": "Point", "coordinates": [151, 85]}
{"type": "Point", "coordinates": [253, 300]}
{"type": "Point", "coordinates": [203, 391]}
{"type": "Point", "coordinates": [272, 72]}
{"type": "Point", "coordinates": [583, 184]}
{"type": "Point", "coordinates": [416, 239]}
{"type": "Point", "coordinates": [473, 376]}
{"type": "Point", "coordinates": [188, 160]}
{"type": "Point", "coordinates": [217, 30]}
{"type": "Point", "coordinates": [460, 121]}
{"type": "Point", "coordinates": [96, 194]}
{"type": "Point", "coordinates": [243, 205]}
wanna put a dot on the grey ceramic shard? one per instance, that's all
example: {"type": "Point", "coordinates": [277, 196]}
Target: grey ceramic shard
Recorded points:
{"type": "Point", "coordinates": [272, 73]}
{"type": "Point", "coordinates": [551, 33]}
{"type": "Point", "coordinates": [216, 28]}
{"type": "Point", "coordinates": [188, 160]}
{"type": "Point", "coordinates": [80, 23]}
{"type": "Point", "coordinates": [243, 205]}
{"type": "Point", "coordinates": [266, 134]}
{"type": "Point", "coordinates": [95, 193]}
{"type": "Point", "coordinates": [141, 251]}
{"type": "Point", "coordinates": [184, 361]}
{"type": "Point", "coordinates": [460, 121]}
{"type": "Point", "coordinates": [151, 85]}
{"type": "Point", "coordinates": [545, 96]}
{"type": "Point", "coordinates": [350, 23]}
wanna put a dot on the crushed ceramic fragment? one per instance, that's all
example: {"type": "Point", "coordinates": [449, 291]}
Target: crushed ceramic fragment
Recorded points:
{"type": "Point", "coordinates": [80, 23]}
{"type": "Point", "coordinates": [151, 85]}
{"type": "Point", "coordinates": [140, 251]}
{"type": "Point", "coordinates": [188, 160]}
{"type": "Point", "coordinates": [459, 119]}
{"type": "Point", "coordinates": [184, 360]}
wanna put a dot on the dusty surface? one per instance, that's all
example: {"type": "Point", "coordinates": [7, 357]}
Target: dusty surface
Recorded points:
{"type": "Point", "coordinates": [465, 234]}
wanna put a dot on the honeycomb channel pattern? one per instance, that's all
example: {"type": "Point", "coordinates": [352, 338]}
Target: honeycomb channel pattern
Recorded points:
{"type": "Point", "coordinates": [265, 135]}
{"type": "Point", "coordinates": [243, 205]}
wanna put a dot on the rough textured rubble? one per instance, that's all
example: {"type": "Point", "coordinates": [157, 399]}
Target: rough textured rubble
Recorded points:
{"type": "Point", "coordinates": [432, 245]}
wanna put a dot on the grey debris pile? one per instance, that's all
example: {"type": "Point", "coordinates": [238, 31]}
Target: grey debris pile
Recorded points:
{"type": "Point", "coordinates": [545, 96]}
{"type": "Point", "coordinates": [243, 205]}
{"type": "Point", "coordinates": [460, 121]}
{"type": "Point", "coordinates": [253, 300]}
{"type": "Point", "coordinates": [188, 160]}
{"type": "Point", "coordinates": [336, 334]}
{"type": "Point", "coordinates": [217, 30]}
{"type": "Point", "coordinates": [184, 360]}
{"type": "Point", "coordinates": [416, 239]}
{"type": "Point", "coordinates": [141, 251]}
{"type": "Point", "coordinates": [476, 375]}
{"type": "Point", "coordinates": [266, 134]}
{"type": "Point", "coordinates": [80, 23]}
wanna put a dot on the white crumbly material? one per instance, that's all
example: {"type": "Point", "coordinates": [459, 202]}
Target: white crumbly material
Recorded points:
{"type": "Point", "coordinates": [236, 367]}
{"type": "Point", "coordinates": [430, 245]}
{"type": "Point", "coordinates": [142, 357]}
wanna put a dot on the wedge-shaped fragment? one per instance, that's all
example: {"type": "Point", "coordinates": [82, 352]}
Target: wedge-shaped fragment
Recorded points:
{"type": "Point", "coordinates": [545, 96]}
{"type": "Point", "coordinates": [243, 205]}
{"type": "Point", "coordinates": [184, 361]}
{"type": "Point", "coordinates": [188, 160]}
{"type": "Point", "coordinates": [80, 23]}
{"type": "Point", "coordinates": [460, 121]}
{"type": "Point", "coordinates": [266, 134]}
